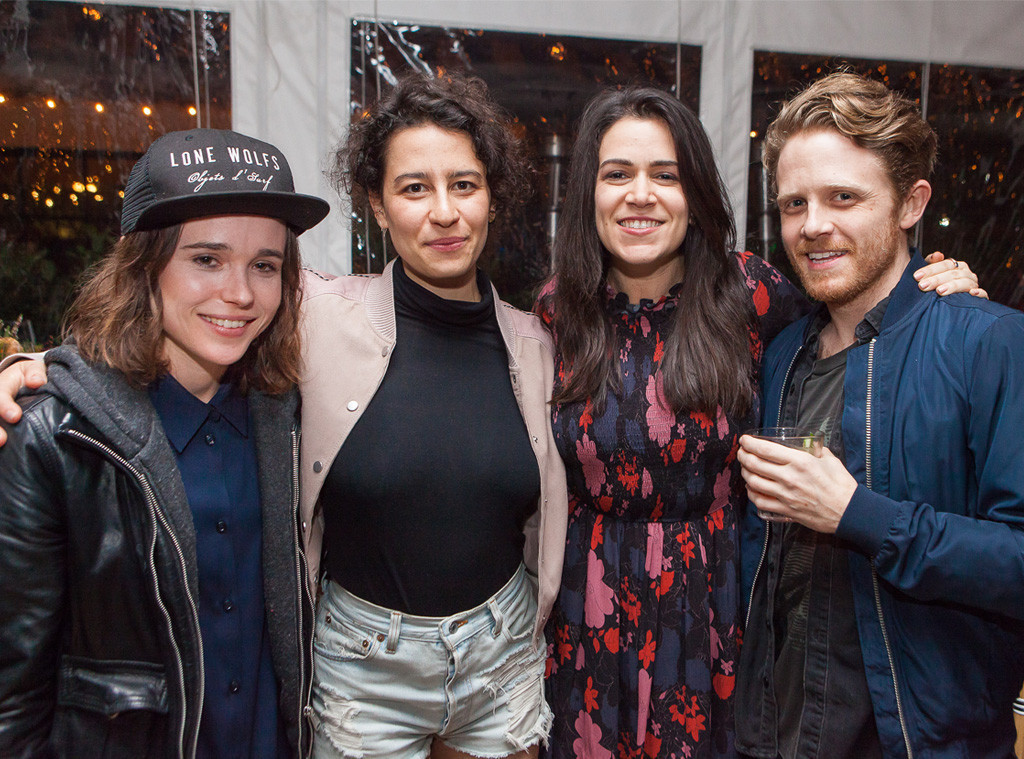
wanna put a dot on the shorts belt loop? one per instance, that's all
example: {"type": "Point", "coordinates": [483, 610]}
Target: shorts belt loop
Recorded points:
{"type": "Point", "coordinates": [394, 631]}
{"type": "Point", "coordinates": [499, 619]}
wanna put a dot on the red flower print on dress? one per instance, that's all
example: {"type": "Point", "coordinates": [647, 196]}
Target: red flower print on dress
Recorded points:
{"type": "Point", "coordinates": [597, 534]}
{"type": "Point", "coordinates": [723, 685]}
{"type": "Point", "coordinates": [646, 654]}
{"type": "Point", "coordinates": [715, 520]}
{"type": "Point", "coordinates": [690, 717]}
{"type": "Point", "coordinates": [563, 647]}
{"type": "Point", "coordinates": [588, 745]}
{"type": "Point", "coordinates": [611, 640]}
{"type": "Point", "coordinates": [586, 417]}
{"type": "Point", "coordinates": [628, 476]}
{"type": "Point", "coordinates": [686, 545]}
{"type": "Point", "coordinates": [702, 419]}
{"type": "Point", "coordinates": [761, 299]}
{"type": "Point", "coordinates": [674, 451]}
{"type": "Point", "coordinates": [590, 695]}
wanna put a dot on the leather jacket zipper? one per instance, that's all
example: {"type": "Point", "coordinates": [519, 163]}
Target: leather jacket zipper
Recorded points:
{"type": "Point", "coordinates": [158, 517]}
{"type": "Point", "coordinates": [768, 524]}
{"type": "Point", "coordinates": [874, 572]}
{"type": "Point", "coordinates": [301, 574]}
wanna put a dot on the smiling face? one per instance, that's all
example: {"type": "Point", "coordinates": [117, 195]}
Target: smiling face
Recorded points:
{"type": "Point", "coordinates": [436, 205]}
{"type": "Point", "coordinates": [219, 291]}
{"type": "Point", "coordinates": [844, 230]}
{"type": "Point", "coordinates": [639, 207]}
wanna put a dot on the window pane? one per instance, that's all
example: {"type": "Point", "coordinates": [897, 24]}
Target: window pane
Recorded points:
{"type": "Point", "coordinates": [85, 89]}
{"type": "Point", "coordinates": [543, 81]}
{"type": "Point", "coordinates": [977, 208]}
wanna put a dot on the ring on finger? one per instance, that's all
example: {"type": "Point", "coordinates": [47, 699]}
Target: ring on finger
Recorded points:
{"type": "Point", "coordinates": [956, 264]}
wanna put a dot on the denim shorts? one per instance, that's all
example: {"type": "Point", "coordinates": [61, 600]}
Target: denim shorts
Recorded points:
{"type": "Point", "coordinates": [386, 683]}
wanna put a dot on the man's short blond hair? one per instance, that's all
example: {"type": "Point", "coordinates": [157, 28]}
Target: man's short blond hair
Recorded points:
{"type": "Point", "coordinates": [870, 114]}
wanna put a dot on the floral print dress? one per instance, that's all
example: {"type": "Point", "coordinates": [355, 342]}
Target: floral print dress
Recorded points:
{"type": "Point", "coordinates": [644, 635]}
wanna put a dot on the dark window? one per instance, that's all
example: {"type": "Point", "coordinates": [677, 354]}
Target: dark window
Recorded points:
{"type": "Point", "coordinates": [84, 89]}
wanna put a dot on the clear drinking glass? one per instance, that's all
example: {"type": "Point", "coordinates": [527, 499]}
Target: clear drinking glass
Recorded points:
{"type": "Point", "coordinates": [801, 438]}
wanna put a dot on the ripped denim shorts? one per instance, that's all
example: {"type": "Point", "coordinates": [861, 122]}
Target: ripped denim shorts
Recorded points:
{"type": "Point", "coordinates": [385, 683]}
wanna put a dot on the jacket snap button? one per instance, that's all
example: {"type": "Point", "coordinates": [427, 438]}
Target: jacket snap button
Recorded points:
{"type": "Point", "coordinates": [352, 405]}
{"type": "Point", "coordinates": [318, 467]}
{"type": "Point", "coordinates": [327, 618]}
{"type": "Point", "coordinates": [366, 644]}
{"type": "Point", "coordinates": [384, 351]}
{"type": "Point", "coordinates": [380, 637]}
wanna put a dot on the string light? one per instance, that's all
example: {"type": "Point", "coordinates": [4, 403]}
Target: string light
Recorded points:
{"type": "Point", "coordinates": [98, 107]}
{"type": "Point", "coordinates": [147, 110]}
{"type": "Point", "coordinates": [51, 103]}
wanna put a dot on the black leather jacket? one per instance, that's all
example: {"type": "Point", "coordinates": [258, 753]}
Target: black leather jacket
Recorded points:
{"type": "Point", "coordinates": [100, 654]}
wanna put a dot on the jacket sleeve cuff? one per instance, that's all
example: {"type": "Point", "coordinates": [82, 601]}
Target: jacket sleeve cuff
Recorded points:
{"type": "Point", "coordinates": [867, 520]}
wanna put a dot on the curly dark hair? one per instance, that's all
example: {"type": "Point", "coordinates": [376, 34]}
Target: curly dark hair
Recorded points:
{"type": "Point", "coordinates": [451, 102]}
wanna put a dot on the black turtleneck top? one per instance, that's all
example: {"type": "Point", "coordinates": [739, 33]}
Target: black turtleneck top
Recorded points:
{"type": "Point", "coordinates": [426, 501]}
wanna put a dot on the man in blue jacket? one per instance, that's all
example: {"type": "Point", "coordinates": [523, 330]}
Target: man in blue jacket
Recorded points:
{"type": "Point", "coordinates": [887, 589]}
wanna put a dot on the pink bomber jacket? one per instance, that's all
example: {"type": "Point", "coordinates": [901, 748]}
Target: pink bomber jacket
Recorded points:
{"type": "Point", "coordinates": [348, 327]}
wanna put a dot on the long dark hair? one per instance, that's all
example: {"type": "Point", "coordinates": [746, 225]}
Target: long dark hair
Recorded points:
{"type": "Point", "coordinates": [707, 361]}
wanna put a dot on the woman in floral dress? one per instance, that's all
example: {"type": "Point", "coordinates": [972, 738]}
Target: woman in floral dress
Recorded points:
{"type": "Point", "coordinates": [659, 331]}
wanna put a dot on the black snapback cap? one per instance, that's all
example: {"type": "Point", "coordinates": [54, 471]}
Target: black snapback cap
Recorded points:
{"type": "Point", "coordinates": [210, 172]}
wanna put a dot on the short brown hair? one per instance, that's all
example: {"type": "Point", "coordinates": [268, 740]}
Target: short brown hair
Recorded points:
{"type": "Point", "coordinates": [451, 101]}
{"type": "Point", "coordinates": [870, 114]}
{"type": "Point", "coordinates": [117, 317]}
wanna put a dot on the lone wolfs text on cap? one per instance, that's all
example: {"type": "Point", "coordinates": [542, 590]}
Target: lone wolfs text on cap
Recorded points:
{"type": "Point", "coordinates": [212, 172]}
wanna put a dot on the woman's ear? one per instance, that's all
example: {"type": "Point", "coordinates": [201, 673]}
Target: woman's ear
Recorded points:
{"type": "Point", "coordinates": [377, 206]}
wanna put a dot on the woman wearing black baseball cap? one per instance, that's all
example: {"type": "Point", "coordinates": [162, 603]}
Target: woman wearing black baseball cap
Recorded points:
{"type": "Point", "coordinates": [153, 600]}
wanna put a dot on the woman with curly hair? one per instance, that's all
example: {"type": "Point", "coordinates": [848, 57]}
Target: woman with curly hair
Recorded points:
{"type": "Point", "coordinates": [429, 473]}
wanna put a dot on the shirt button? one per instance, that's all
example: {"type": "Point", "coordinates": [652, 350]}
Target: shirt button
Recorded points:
{"type": "Point", "coordinates": [214, 415]}
{"type": "Point", "coordinates": [210, 439]}
{"type": "Point", "coordinates": [228, 605]}
{"type": "Point", "coordinates": [235, 686]}
{"type": "Point", "coordinates": [222, 526]}
{"type": "Point", "coordinates": [352, 405]}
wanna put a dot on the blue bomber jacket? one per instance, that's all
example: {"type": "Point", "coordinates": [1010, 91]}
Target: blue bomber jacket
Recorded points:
{"type": "Point", "coordinates": [933, 430]}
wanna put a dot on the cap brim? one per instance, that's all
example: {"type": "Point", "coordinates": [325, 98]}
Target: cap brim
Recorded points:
{"type": "Point", "coordinates": [300, 212]}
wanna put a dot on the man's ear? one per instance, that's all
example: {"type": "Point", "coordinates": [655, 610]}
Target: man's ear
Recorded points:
{"type": "Point", "coordinates": [377, 206]}
{"type": "Point", "coordinates": [914, 203]}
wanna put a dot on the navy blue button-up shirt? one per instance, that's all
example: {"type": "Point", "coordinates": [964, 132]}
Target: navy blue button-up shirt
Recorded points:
{"type": "Point", "coordinates": [217, 460]}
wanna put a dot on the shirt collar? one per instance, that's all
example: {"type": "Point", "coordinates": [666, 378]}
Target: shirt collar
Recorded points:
{"type": "Point", "coordinates": [869, 326]}
{"type": "Point", "coordinates": [182, 414]}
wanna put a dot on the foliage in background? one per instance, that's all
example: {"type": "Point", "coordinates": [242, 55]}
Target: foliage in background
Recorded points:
{"type": "Point", "coordinates": [40, 281]}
